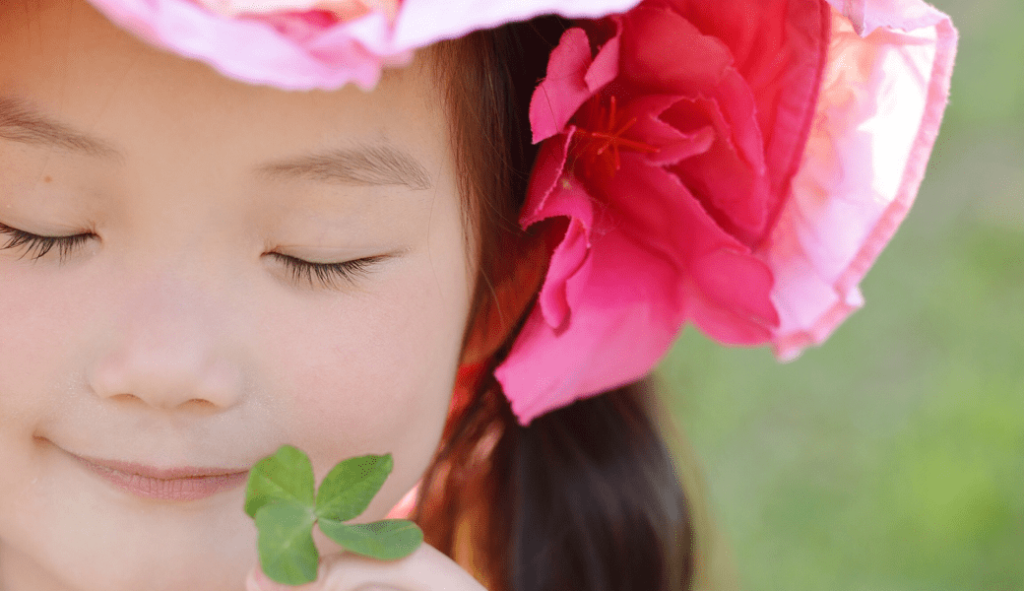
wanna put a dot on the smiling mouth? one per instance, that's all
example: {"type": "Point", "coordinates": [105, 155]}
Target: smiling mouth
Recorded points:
{"type": "Point", "coordinates": [167, 484]}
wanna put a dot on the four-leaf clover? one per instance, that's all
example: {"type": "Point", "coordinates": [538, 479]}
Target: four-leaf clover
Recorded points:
{"type": "Point", "coordinates": [282, 497]}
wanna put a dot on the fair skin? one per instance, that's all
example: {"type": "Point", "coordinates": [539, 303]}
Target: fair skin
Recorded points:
{"type": "Point", "coordinates": [175, 334]}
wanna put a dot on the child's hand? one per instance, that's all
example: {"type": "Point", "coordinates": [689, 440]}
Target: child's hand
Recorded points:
{"type": "Point", "coordinates": [426, 569]}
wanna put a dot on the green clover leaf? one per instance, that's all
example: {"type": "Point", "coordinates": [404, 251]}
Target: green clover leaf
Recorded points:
{"type": "Point", "coordinates": [282, 499]}
{"type": "Point", "coordinates": [285, 476]}
{"type": "Point", "coordinates": [349, 487]}
{"type": "Point", "coordinates": [389, 539]}
{"type": "Point", "coordinates": [286, 543]}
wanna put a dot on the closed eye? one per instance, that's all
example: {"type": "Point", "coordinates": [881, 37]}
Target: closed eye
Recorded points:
{"type": "Point", "coordinates": [323, 275]}
{"type": "Point", "coordinates": [328, 275]}
{"type": "Point", "coordinates": [36, 246]}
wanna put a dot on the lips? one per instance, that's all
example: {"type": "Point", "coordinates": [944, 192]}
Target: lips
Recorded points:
{"type": "Point", "coordinates": [187, 483]}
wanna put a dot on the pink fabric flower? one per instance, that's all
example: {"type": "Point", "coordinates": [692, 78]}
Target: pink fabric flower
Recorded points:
{"type": "Point", "coordinates": [321, 44]}
{"type": "Point", "coordinates": [737, 165]}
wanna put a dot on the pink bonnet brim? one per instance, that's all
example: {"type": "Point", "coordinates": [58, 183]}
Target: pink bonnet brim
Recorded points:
{"type": "Point", "coordinates": [883, 94]}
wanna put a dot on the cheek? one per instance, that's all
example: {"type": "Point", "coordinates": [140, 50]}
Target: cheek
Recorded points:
{"type": "Point", "coordinates": [375, 364]}
{"type": "Point", "coordinates": [372, 372]}
{"type": "Point", "coordinates": [36, 376]}
{"type": "Point", "coordinates": [40, 319]}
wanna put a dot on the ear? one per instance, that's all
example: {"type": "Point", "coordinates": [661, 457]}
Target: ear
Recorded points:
{"type": "Point", "coordinates": [510, 295]}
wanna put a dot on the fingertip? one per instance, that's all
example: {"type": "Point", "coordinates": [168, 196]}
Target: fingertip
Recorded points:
{"type": "Point", "coordinates": [255, 581]}
{"type": "Point", "coordinates": [259, 581]}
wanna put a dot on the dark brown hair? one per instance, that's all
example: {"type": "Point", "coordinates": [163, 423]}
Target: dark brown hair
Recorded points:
{"type": "Point", "coordinates": [586, 497]}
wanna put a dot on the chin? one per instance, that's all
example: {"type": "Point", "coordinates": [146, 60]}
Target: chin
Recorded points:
{"type": "Point", "coordinates": [168, 561]}
{"type": "Point", "coordinates": [161, 573]}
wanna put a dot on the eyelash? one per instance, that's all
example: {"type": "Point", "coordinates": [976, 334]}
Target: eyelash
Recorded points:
{"type": "Point", "coordinates": [327, 275]}
{"type": "Point", "coordinates": [42, 244]}
{"type": "Point", "coordinates": [324, 275]}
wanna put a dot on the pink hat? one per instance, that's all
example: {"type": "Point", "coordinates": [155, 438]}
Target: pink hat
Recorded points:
{"type": "Point", "coordinates": [738, 164]}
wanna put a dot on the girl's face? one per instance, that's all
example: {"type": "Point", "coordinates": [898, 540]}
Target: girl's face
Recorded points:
{"type": "Point", "coordinates": [181, 331]}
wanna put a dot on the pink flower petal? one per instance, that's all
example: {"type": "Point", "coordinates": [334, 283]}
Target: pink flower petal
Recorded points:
{"type": "Point", "coordinates": [568, 267]}
{"type": "Point", "coordinates": [673, 144]}
{"type": "Point", "coordinates": [731, 297]}
{"type": "Point", "coordinates": [655, 259]}
{"type": "Point", "coordinates": [556, 100]}
{"type": "Point", "coordinates": [664, 52]}
{"type": "Point", "coordinates": [549, 181]}
{"type": "Point", "coordinates": [730, 177]}
{"type": "Point", "coordinates": [779, 49]}
{"type": "Point", "coordinates": [716, 271]}
{"type": "Point", "coordinates": [621, 320]}
{"type": "Point", "coordinates": [681, 60]}
{"type": "Point", "coordinates": [864, 160]}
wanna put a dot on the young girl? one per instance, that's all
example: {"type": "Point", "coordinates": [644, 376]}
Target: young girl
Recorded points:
{"type": "Point", "coordinates": [234, 225]}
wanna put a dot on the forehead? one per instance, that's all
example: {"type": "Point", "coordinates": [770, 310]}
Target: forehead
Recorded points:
{"type": "Point", "coordinates": [69, 61]}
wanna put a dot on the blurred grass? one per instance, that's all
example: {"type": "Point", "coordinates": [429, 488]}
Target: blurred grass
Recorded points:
{"type": "Point", "coordinates": [892, 458]}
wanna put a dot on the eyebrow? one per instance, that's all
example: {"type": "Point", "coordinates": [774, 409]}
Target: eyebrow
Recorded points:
{"type": "Point", "coordinates": [381, 164]}
{"type": "Point", "coordinates": [20, 123]}
{"type": "Point", "coordinates": [373, 165]}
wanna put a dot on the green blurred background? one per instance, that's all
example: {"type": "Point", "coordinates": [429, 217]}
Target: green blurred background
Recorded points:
{"type": "Point", "coordinates": [892, 458]}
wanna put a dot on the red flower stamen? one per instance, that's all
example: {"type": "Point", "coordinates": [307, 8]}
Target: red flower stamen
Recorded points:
{"type": "Point", "coordinates": [604, 143]}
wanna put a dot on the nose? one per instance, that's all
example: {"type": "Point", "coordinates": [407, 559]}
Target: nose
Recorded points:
{"type": "Point", "coordinates": [169, 351]}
